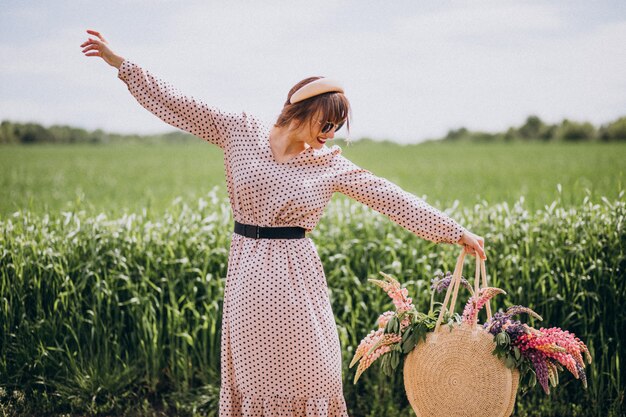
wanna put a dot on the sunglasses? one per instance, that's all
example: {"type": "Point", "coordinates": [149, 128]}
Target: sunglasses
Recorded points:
{"type": "Point", "coordinates": [328, 126]}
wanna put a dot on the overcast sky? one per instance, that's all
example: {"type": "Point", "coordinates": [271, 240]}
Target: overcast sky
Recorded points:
{"type": "Point", "coordinates": [411, 69]}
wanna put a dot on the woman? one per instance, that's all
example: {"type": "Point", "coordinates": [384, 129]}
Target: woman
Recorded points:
{"type": "Point", "coordinates": [280, 350]}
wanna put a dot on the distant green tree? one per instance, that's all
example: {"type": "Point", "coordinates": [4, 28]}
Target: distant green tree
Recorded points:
{"type": "Point", "coordinates": [615, 131]}
{"type": "Point", "coordinates": [7, 133]}
{"type": "Point", "coordinates": [511, 135]}
{"type": "Point", "coordinates": [532, 128]}
{"type": "Point", "coordinates": [458, 134]}
{"type": "Point", "coordinates": [575, 132]}
{"type": "Point", "coordinates": [98, 136]}
{"type": "Point", "coordinates": [68, 134]}
{"type": "Point", "coordinates": [484, 137]}
{"type": "Point", "coordinates": [548, 133]}
{"type": "Point", "coordinates": [30, 133]}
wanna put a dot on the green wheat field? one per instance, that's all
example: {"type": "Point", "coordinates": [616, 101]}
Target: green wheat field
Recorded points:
{"type": "Point", "coordinates": [113, 259]}
{"type": "Point", "coordinates": [118, 179]}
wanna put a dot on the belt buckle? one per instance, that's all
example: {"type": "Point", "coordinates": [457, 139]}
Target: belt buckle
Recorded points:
{"type": "Point", "coordinates": [254, 232]}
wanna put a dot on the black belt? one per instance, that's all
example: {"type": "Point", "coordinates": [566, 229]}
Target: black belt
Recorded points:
{"type": "Point", "coordinates": [258, 232]}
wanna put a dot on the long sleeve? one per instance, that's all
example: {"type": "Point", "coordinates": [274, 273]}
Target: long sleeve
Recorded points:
{"type": "Point", "coordinates": [389, 199]}
{"type": "Point", "coordinates": [176, 109]}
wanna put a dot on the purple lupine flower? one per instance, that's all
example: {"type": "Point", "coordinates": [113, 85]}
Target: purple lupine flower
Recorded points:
{"type": "Point", "coordinates": [441, 283]}
{"type": "Point", "coordinates": [514, 310]}
{"type": "Point", "coordinates": [515, 329]}
{"type": "Point", "coordinates": [538, 360]}
{"type": "Point", "coordinates": [502, 321]}
{"type": "Point", "coordinates": [581, 374]}
{"type": "Point", "coordinates": [494, 325]}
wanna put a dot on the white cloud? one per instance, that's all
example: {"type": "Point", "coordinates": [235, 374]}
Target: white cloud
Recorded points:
{"type": "Point", "coordinates": [485, 19]}
{"type": "Point", "coordinates": [410, 72]}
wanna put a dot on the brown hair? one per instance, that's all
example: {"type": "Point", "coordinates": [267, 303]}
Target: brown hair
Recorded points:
{"type": "Point", "coordinates": [333, 107]}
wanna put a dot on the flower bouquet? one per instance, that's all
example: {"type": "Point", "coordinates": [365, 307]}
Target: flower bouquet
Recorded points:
{"type": "Point", "coordinates": [469, 360]}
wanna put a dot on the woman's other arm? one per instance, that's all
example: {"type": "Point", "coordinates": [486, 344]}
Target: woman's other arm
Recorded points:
{"type": "Point", "coordinates": [164, 100]}
{"type": "Point", "coordinates": [402, 207]}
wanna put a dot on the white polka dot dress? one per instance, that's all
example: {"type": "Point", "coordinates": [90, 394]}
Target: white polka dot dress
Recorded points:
{"type": "Point", "coordinates": [280, 350]}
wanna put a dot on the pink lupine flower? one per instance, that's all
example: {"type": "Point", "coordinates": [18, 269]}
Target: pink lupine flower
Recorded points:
{"type": "Point", "coordinates": [572, 346]}
{"type": "Point", "coordinates": [377, 343]}
{"type": "Point", "coordinates": [387, 339]}
{"type": "Point", "coordinates": [384, 318]}
{"type": "Point", "coordinates": [559, 354]}
{"type": "Point", "coordinates": [569, 340]}
{"type": "Point", "coordinates": [388, 284]}
{"type": "Point", "coordinates": [368, 341]}
{"type": "Point", "coordinates": [477, 301]}
{"type": "Point", "coordinates": [402, 304]}
{"type": "Point", "coordinates": [554, 344]}
{"type": "Point", "coordinates": [379, 348]}
{"type": "Point", "coordinates": [398, 294]}
{"type": "Point", "coordinates": [367, 361]}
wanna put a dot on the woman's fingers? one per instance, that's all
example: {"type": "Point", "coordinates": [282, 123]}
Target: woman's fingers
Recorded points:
{"type": "Point", "coordinates": [481, 251]}
{"type": "Point", "coordinates": [94, 48]}
{"type": "Point", "coordinates": [473, 244]}
{"type": "Point", "coordinates": [94, 32]}
{"type": "Point", "coordinates": [91, 42]}
{"type": "Point", "coordinates": [90, 47]}
{"type": "Point", "coordinates": [476, 249]}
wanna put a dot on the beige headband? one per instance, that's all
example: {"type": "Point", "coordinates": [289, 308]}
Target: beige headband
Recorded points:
{"type": "Point", "coordinates": [314, 88]}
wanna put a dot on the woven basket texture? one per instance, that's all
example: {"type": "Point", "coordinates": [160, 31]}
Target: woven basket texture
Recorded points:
{"type": "Point", "coordinates": [454, 374]}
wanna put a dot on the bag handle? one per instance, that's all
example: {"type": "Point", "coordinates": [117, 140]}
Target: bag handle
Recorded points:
{"type": "Point", "coordinates": [484, 273]}
{"type": "Point", "coordinates": [453, 288]}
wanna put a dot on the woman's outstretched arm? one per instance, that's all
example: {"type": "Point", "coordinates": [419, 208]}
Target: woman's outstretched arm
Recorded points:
{"type": "Point", "coordinates": [402, 207]}
{"type": "Point", "coordinates": [164, 100]}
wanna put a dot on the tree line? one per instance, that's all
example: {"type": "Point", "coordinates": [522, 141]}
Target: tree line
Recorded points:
{"type": "Point", "coordinates": [34, 133]}
{"type": "Point", "coordinates": [533, 129]}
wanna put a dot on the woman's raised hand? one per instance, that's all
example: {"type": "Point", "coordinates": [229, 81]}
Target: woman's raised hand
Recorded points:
{"type": "Point", "coordinates": [473, 244]}
{"type": "Point", "coordinates": [100, 47]}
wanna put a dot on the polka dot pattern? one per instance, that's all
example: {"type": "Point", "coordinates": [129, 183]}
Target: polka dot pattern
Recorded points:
{"type": "Point", "coordinates": [400, 206]}
{"type": "Point", "coordinates": [280, 349]}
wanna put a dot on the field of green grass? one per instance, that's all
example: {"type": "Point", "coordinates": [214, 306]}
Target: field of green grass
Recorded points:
{"type": "Point", "coordinates": [120, 314]}
{"type": "Point", "coordinates": [118, 179]}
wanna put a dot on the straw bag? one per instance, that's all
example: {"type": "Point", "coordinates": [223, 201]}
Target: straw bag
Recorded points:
{"type": "Point", "coordinates": [453, 372]}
